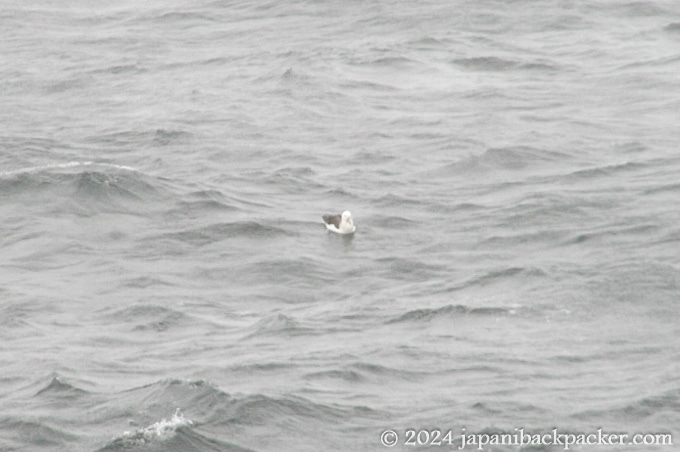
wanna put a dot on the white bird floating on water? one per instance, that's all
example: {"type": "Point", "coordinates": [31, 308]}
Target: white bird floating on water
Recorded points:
{"type": "Point", "coordinates": [341, 224]}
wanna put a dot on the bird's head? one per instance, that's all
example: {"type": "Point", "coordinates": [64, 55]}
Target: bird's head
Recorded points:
{"type": "Point", "coordinates": [347, 217]}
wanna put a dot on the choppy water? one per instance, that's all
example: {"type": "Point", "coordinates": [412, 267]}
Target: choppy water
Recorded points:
{"type": "Point", "coordinates": [166, 282]}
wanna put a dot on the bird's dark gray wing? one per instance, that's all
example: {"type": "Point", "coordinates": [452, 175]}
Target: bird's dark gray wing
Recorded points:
{"type": "Point", "coordinates": [332, 219]}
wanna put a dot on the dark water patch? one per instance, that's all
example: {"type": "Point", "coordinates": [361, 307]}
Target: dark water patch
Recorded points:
{"type": "Point", "coordinates": [520, 157]}
{"type": "Point", "coordinates": [120, 69]}
{"type": "Point", "coordinates": [409, 269]}
{"type": "Point", "coordinates": [151, 402]}
{"type": "Point", "coordinates": [639, 282]}
{"type": "Point", "coordinates": [293, 172]}
{"type": "Point", "coordinates": [366, 85]}
{"type": "Point", "coordinates": [366, 157]}
{"type": "Point", "coordinates": [564, 22]}
{"type": "Point", "coordinates": [504, 274]}
{"type": "Point", "coordinates": [222, 231]}
{"type": "Point", "coordinates": [379, 373]}
{"type": "Point", "coordinates": [293, 180]}
{"type": "Point", "coordinates": [448, 311]}
{"type": "Point", "coordinates": [429, 43]}
{"type": "Point", "coordinates": [109, 188]}
{"type": "Point", "coordinates": [129, 140]}
{"type": "Point", "coordinates": [637, 9]}
{"type": "Point", "coordinates": [604, 171]}
{"type": "Point", "coordinates": [296, 78]}
{"type": "Point", "coordinates": [513, 158]}
{"type": "Point", "coordinates": [392, 222]}
{"type": "Point", "coordinates": [255, 368]}
{"type": "Point", "coordinates": [149, 317]}
{"type": "Point", "coordinates": [350, 376]}
{"type": "Point", "coordinates": [610, 234]}
{"type": "Point", "coordinates": [57, 388]}
{"type": "Point", "coordinates": [162, 137]}
{"type": "Point", "coordinates": [36, 433]}
{"type": "Point", "coordinates": [176, 17]}
{"type": "Point", "coordinates": [396, 201]}
{"type": "Point", "coordinates": [486, 410]}
{"type": "Point", "coordinates": [672, 237]}
{"type": "Point", "coordinates": [297, 173]}
{"type": "Point", "coordinates": [342, 192]}
{"type": "Point", "coordinates": [278, 325]}
{"type": "Point", "coordinates": [27, 146]}
{"type": "Point", "coordinates": [203, 202]}
{"type": "Point", "coordinates": [143, 282]}
{"type": "Point", "coordinates": [656, 407]}
{"type": "Point", "coordinates": [86, 188]}
{"type": "Point", "coordinates": [547, 238]}
{"type": "Point", "coordinates": [632, 147]}
{"type": "Point", "coordinates": [460, 207]}
{"type": "Point", "coordinates": [384, 62]}
{"type": "Point", "coordinates": [70, 84]}
{"type": "Point", "coordinates": [550, 209]}
{"type": "Point", "coordinates": [289, 274]}
{"type": "Point", "coordinates": [123, 141]}
{"type": "Point", "coordinates": [217, 61]}
{"type": "Point", "coordinates": [496, 64]}
{"type": "Point", "coordinates": [665, 188]}
{"type": "Point", "coordinates": [670, 61]}
{"type": "Point", "coordinates": [673, 27]}
{"type": "Point", "coordinates": [263, 410]}
{"type": "Point", "coordinates": [164, 323]}
{"type": "Point", "coordinates": [668, 402]}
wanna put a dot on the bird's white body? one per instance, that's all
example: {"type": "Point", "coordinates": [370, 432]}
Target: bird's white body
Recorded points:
{"type": "Point", "coordinates": [340, 224]}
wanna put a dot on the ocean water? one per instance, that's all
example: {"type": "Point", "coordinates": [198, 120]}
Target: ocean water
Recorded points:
{"type": "Point", "coordinates": [166, 282]}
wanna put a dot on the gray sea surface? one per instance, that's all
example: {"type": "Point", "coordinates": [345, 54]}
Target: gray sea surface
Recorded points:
{"type": "Point", "coordinates": [166, 281]}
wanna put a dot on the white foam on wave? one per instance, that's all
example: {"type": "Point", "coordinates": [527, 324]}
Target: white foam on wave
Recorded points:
{"type": "Point", "coordinates": [67, 165]}
{"type": "Point", "coordinates": [157, 431]}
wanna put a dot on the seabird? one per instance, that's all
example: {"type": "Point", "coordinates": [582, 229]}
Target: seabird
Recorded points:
{"type": "Point", "coordinates": [342, 224]}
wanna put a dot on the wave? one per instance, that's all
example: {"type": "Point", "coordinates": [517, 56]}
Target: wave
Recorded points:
{"type": "Point", "coordinates": [492, 63]}
{"type": "Point", "coordinates": [420, 315]}
{"type": "Point", "coordinates": [277, 325]}
{"type": "Point", "coordinates": [174, 434]}
{"type": "Point", "coordinates": [392, 222]}
{"type": "Point", "coordinates": [512, 158]}
{"type": "Point", "coordinates": [638, 8]}
{"type": "Point", "coordinates": [667, 402]}
{"type": "Point", "coordinates": [604, 171]}
{"type": "Point", "coordinates": [58, 388]}
{"type": "Point", "coordinates": [300, 273]}
{"type": "Point", "coordinates": [120, 69]}
{"type": "Point", "coordinates": [673, 27]}
{"type": "Point", "coordinates": [385, 61]}
{"type": "Point", "coordinates": [409, 269]}
{"type": "Point", "coordinates": [429, 43]}
{"type": "Point", "coordinates": [260, 409]}
{"type": "Point", "coordinates": [221, 231]}
{"type": "Point", "coordinates": [398, 201]}
{"type": "Point", "coordinates": [155, 431]}
{"type": "Point", "coordinates": [373, 157]}
{"type": "Point", "coordinates": [84, 188]}
{"type": "Point", "coordinates": [615, 233]}
{"type": "Point", "coordinates": [151, 318]}
{"type": "Point", "coordinates": [62, 166]}
{"type": "Point", "coordinates": [672, 187]}
{"type": "Point", "coordinates": [206, 418]}
{"type": "Point", "coordinates": [38, 434]}
{"type": "Point", "coordinates": [350, 376]}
